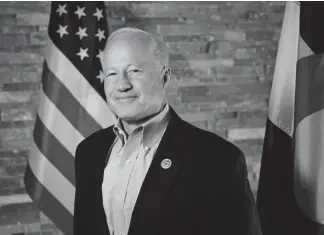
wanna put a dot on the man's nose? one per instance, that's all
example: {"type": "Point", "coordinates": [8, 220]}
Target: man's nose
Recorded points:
{"type": "Point", "coordinates": [123, 83]}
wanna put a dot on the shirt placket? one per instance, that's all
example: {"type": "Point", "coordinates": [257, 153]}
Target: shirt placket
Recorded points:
{"type": "Point", "coordinates": [127, 161]}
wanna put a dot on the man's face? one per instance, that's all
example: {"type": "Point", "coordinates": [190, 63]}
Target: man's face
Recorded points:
{"type": "Point", "coordinates": [133, 81]}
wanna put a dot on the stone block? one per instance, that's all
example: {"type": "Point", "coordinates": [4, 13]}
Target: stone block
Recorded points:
{"type": "Point", "coordinates": [196, 117]}
{"type": "Point", "coordinates": [184, 29]}
{"type": "Point", "coordinates": [27, 113]}
{"type": "Point", "coordinates": [38, 38]}
{"type": "Point", "coordinates": [16, 133]}
{"type": "Point", "coordinates": [11, 182]}
{"type": "Point", "coordinates": [11, 167]}
{"type": "Point", "coordinates": [7, 19]}
{"type": "Point", "coordinates": [16, 96]}
{"type": "Point", "coordinates": [232, 94]}
{"type": "Point", "coordinates": [18, 29]}
{"type": "Point", "coordinates": [14, 7]}
{"type": "Point", "coordinates": [33, 18]}
{"type": "Point", "coordinates": [215, 107]}
{"type": "Point", "coordinates": [188, 48]}
{"type": "Point", "coordinates": [9, 41]}
{"type": "Point", "coordinates": [253, 121]}
{"type": "Point", "coordinates": [14, 153]}
{"type": "Point", "coordinates": [33, 49]}
{"type": "Point", "coordinates": [15, 124]}
{"type": "Point", "coordinates": [190, 10]}
{"type": "Point", "coordinates": [249, 105]}
{"type": "Point", "coordinates": [227, 123]}
{"type": "Point", "coordinates": [237, 35]}
{"type": "Point", "coordinates": [20, 58]}
{"type": "Point", "coordinates": [16, 143]}
{"type": "Point", "coordinates": [238, 74]}
{"type": "Point", "coordinates": [223, 49]}
{"type": "Point", "coordinates": [20, 229]}
{"type": "Point", "coordinates": [260, 35]}
{"type": "Point", "coordinates": [20, 73]}
{"type": "Point", "coordinates": [21, 86]}
{"type": "Point", "coordinates": [245, 134]}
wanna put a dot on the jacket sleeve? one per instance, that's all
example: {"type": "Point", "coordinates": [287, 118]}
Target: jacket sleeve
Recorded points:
{"type": "Point", "coordinates": [243, 217]}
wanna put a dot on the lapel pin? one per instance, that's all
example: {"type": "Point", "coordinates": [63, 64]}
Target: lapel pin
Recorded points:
{"type": "Point", "coordinates": [166, 163]}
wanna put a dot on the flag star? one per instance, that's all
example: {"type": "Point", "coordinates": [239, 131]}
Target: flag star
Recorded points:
{"type": "Point", "coordinates": [98, 14]}
{"type": "Point", "coordinates": [62, 30]}
{"type": "Point", "coordinates": [100, 34]}
{"type": "Point", "coordinates": [82, 32]}
{"type": "Point", "coordinates": [100, 55]}
{"type": "Point", "coordinates": [83, 53]}
{"type": "Point", "coordinates": [101, 76]}
{"type": "Point", "coordinates": [61, 9]}
{"type": "Point", "coordinates": [80, 12]}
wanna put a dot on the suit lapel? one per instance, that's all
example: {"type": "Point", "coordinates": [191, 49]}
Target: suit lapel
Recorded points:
{"type": "Point", "coordinates": [106, 141]}
{"type": "Point", "coordinates": [158, 179]}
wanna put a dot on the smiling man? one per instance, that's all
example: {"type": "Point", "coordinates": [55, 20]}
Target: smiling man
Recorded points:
{"type": "Point", "coordinates": [152, 173]}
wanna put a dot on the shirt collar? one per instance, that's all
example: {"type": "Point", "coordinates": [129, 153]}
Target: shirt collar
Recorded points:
{"type": "Point", "coordinates": [152, 130]}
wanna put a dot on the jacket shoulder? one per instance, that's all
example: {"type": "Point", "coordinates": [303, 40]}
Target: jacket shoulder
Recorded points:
{"type": "Point", "coordinates": [97, 138]}
{"type": "Point", "coordinates": [210, 142]}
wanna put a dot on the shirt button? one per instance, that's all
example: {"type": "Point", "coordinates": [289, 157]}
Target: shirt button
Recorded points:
{"type": "Point", "coordinates": [146, 148]}
{"type": "Point", "coordinates": [128, 162]}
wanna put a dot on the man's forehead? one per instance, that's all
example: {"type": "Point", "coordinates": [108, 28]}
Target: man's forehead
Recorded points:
{"type": "Point", "coordinates": [131, 48]}
{"type": "Point", "coordinates": [132, 39]}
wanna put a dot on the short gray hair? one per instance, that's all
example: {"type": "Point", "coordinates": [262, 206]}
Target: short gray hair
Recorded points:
{"type": "Point", "coordinates": [159, 48]}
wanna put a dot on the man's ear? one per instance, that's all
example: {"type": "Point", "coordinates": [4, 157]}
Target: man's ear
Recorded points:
{"type": "Point", "coordinates": [166, 77]}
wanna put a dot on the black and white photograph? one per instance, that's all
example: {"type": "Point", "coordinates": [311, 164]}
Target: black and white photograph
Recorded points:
{"type": "Point", "coordinates": [161, 118]}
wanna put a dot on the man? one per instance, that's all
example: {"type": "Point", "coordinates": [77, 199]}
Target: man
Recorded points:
{"type": "Point", "coordinates": [153, 173]}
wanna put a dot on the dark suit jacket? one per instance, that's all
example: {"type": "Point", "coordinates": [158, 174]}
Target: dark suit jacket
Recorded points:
{"type": "Point", "coordinates": [204, 192]}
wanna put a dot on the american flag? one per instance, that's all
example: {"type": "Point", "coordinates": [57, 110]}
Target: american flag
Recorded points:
{"type": "Point", "coordinates": [71, 106]}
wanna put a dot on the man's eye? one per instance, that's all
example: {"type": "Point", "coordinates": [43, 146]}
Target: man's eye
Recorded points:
{"type": "Point", "coordinates": [111, 74]}
{"type": "Point", "coordinates": [134, 71]}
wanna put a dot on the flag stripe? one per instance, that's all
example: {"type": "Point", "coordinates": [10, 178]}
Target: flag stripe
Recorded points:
{"type": "Point", "coordinates": [282, 96]}
{"type": "Point", "coordinates": [311, 24]}
{"type": "Point", "coordinates": [309, 173]}
{"type": "Point", "coordinates": [67, 104]}
{"type": "Point", "coordinates": [58, 125]}
{"type": "Point", "coordinates": [309, 86]}
{"type": "Point", "coordinates": [277, 206]}
{"type": "Point", "coordinates": [48, 204]}
{"type": "Point", "coordinates": [309, 116]}
{"type": "Point", "coordinates": [52, 179]}
{"type": "Point", "coordinates": [79, 87]}
{"type": "Point", "coordinates": [53, 150]}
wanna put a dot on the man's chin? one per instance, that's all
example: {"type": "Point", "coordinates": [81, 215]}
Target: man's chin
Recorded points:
{"type": "Point", "coordinates": [127, 114]}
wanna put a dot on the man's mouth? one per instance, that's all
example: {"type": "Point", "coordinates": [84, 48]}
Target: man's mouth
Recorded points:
{"type": "Point", "coordinates": [126, 99]}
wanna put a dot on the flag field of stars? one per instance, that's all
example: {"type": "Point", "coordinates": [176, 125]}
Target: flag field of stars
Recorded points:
{"type": "Point", "coordinates": [80, 32]}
